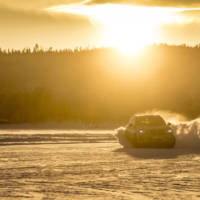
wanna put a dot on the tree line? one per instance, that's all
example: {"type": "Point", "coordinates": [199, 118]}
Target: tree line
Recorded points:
{"type": "Point", "coordinates": [97, 85]}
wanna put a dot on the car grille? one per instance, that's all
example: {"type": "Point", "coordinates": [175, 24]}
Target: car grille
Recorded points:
{"type": "Point", "coordinates": [155, 131]}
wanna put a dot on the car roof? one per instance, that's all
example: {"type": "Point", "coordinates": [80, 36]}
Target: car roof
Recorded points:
{"type": "Point", "coordinates": [147, 116]}
{"type": "Point", "coordinates": [138, 116]}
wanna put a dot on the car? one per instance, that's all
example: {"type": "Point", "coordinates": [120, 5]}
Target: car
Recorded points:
{"type": "Point", "coordinates": [150, 131]}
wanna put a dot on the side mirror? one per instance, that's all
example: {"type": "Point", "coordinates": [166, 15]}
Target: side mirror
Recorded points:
{"type": "Point", "coordinates": [169, 124]}
{"type": "Point", "coordinates": [131, 126]}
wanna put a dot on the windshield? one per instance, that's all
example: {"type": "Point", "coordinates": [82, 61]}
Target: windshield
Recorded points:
{"type": "Point", "coordinates": [149, 121]}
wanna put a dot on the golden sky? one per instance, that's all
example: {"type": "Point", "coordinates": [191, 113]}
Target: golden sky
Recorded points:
{"type": "Point", "coordinates": [120, 23]}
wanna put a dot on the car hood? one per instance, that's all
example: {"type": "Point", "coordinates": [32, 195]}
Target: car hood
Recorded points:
{"type": "Point", "coordinates": [151, 127]}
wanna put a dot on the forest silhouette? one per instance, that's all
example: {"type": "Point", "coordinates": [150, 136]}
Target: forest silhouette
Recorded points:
{"type": "Point", "coordinates": [97, 85]}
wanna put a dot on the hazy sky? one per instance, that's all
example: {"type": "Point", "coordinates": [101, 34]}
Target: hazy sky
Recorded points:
{"type": "Point", "coordinates": [73, 23]}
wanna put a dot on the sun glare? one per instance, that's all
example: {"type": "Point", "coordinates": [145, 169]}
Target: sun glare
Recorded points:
{"type": "Point", "coordinates": [127, 28]}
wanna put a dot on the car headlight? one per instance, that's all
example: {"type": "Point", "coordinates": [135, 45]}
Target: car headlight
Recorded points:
{"type": "Point", "coordinates": [141, 131]}
{"type": "Point", "coordinates": [169, 131]}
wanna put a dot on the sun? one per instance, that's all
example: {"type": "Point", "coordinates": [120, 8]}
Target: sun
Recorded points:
{"type": "Point", "coordinates": [127, 41]}
{"type": "Point", "coordinates": [128, 37]}
{"type": "Point", "coordinates": [127, 28]}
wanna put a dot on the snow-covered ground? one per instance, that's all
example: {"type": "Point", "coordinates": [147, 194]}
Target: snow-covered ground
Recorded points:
{"type": "Point", "coordinates": [69, 164]}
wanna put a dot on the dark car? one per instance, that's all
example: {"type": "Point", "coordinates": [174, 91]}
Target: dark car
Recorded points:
{"type": "Point", "coordinates": [150, 131]}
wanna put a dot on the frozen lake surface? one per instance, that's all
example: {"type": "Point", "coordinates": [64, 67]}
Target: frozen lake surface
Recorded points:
{"type": "Point", "coordinates": [90, 164]}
